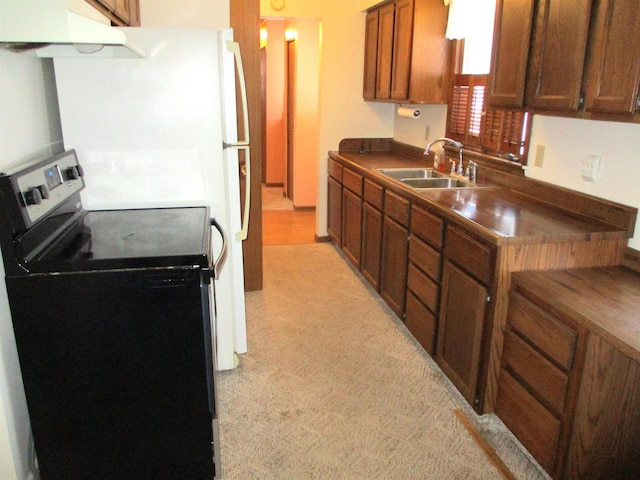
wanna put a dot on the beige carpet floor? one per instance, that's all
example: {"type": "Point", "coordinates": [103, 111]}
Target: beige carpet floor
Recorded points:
{"type": "Point", "coordinates": [273, 199]}
{"type": "Point", "coordinates": [334, 387]}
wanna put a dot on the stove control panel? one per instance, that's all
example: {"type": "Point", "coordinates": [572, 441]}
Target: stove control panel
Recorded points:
{"type": "Point", "coordinates": [39, 188]}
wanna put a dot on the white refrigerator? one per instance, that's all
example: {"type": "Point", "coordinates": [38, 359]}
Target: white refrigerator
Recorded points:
{"type": "Point", "coordinates": [161, 131]}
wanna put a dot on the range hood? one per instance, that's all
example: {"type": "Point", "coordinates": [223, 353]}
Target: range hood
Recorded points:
{"type": "Point", "coordinates": [61, 28]}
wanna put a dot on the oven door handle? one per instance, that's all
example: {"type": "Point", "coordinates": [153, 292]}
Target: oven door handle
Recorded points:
{"type": "Point", "coordinates": [220, 261]}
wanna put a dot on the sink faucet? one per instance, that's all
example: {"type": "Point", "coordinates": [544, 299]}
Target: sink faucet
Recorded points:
{"type": "Point", "coordinates": [458, 145]}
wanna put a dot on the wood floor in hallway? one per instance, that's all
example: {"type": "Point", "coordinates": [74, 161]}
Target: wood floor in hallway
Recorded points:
{"type": "Point", "coordinates": [288, 227]}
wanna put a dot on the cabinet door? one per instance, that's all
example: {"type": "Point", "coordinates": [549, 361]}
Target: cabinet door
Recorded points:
{"type": "Point", "coordinates": [371, 244]}
{"type": "Point", "coordinates": [510, 54]}
{"type": "Point", "coordinates": [351, 226]}
{"type": "Point", "coordinates": [462, 311]}
{"type": "Point", "coordinates": [122, 10]}
{"type": "Point", "coordinates": [370, 54]}
{"type": "Point", "coordinates": [431, 63]}
{"type": "Point", "coordinates": [395, 253]}
{"type": "Point", "coordinates": [613, 62]}
{"type": "Point", "coordinates": [402, 38]}
{"type": "Point", "coordinates": [334, 207]}
{"type": "Point", "coordinates": [556, 60]}
{"type": "Point", "coordinates": [384, 62]}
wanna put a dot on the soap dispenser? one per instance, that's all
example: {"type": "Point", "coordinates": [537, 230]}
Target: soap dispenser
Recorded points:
{"type": "Point", "coordinates": [440, 164]}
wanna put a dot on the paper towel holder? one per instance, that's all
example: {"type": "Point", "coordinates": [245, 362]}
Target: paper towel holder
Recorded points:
{"type": "Point", "coordinates": [408, 112]}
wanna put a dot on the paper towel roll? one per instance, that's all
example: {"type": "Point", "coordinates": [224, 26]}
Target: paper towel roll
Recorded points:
{"type": "Point", "coordinates": [409, 112]}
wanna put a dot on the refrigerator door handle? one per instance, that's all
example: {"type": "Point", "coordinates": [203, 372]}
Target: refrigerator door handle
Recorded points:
{"type": "Point", "coordinates": [220, 261]}
{"type": "Point", "coordinates": [242, 234]}
{"type": "Point", "coordinates": [234, 47]}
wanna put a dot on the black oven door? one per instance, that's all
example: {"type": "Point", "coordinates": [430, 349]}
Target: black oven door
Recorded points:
{"type": "Point", "coordinates": [118, 372]}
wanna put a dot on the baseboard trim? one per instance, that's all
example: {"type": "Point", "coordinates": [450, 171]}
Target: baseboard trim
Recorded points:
{"type": "Point", "coordinates": [323, 239]}
{"type": "Point", "coordinates": [273, 184]}
{"type": "Point", "coordinates": [304, 209]}
{"type": "Point", "coordinates": [484, 445]}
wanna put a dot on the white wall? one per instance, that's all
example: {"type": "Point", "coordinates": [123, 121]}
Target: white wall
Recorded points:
{"type": "Point", "coordinates": [412, 131]}
{"type": "Point", "coordinates": [184, 13]}
{"type": "Point", "coordinates": [343, 112]}
{"type": "Point", "coordinates": [306, 112]}
{"type": "Point", "coordinates": [276, 140]}
{"type": "Point", "coordinates": [568, 142]}
{"type": "Point", "coordinates": [29, 127]}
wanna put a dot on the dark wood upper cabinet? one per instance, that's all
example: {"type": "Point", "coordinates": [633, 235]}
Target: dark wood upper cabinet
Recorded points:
{"type": "Point", "coordinates": [557, 53]}
{"type": "Point", "coordinates": [370, 55]}
{"type": "Point", "coordinates": [613, 60]}
{"type": "Point", "coordinates": [402, 40]}
{"type": "Point", "coordinates": [567, 56]}
{"type": "Point", "coordinates": [510, 54]}
{"type": "Point", "coordinates": [384, 58]}
{"type": "Point", "coordinates": [124, 13]}
{"type": "Point", "coordinates": [431, 59]}
{"type": "Point", "coordinates": [407, 57]}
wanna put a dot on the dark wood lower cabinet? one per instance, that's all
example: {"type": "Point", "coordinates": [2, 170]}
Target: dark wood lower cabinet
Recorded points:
{"type": "Point", "coordinates": [568, 395]}
{"type": "Point", "coordinates": [395, 253]}
{"type": "Point", "coordinates": [422, 323]}
{"type": "Point", "coordinates": [334, 210]}
{"type": "Point", "coordinates": [462, 314]}
{"type": "Point", "coordinates": [351, 226]}
{"type": "Point", "coordinates": [371, 245]}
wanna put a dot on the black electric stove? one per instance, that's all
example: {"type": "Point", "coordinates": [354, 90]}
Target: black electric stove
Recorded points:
{"type": "Point", "coordinates": [112, 317]}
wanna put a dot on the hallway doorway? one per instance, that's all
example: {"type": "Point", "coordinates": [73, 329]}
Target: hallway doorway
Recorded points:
{"type": "Point", "coordinates": [290, 76]}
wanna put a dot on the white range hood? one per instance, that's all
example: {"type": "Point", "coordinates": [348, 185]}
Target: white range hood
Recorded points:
{"type": "Point", "coordinates": [60, 28]}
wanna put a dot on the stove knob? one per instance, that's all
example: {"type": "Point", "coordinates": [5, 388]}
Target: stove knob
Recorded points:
{"type": "Point", "coordinates": [73, 173]}
{"type": "Point", "coordinates": [44, 191]}
{"type": "Point", "coordinates": [33, 196]}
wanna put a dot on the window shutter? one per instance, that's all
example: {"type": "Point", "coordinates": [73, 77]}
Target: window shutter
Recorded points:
{"type": "Point", "coordinates": [495, 132]}
{"type": "Point", "coordinates": [465, 109]}
{"type": "Point", "coordinates": [505, 131]}
{"type": "Point", "coordinates": [458, 108]}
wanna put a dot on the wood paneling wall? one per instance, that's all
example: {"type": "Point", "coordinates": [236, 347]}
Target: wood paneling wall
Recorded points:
{"type": "Point", "coordinates": [245, 21]}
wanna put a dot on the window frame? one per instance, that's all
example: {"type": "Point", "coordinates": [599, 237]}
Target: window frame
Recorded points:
{"type": "Point", "coordinates": [502, 133]}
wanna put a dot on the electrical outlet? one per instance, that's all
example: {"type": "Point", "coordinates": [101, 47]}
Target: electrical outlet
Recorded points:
{"type": "Point", "coordinates": [539, 156]}
{"type": "Point", "coordinates": [426, 132]}
{"type": "Point", "coordinates": [590, 168]}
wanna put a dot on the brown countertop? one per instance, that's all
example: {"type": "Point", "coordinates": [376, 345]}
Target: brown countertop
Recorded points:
{"type": "Point", "coordinates": [498, 214]}
{"type": "Point", "coordinates": [606, 300]}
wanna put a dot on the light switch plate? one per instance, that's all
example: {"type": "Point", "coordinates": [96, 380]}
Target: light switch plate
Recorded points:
{"type": "Point", "coordinates": [539, 156]}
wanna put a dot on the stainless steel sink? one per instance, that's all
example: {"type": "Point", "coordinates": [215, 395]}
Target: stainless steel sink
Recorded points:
{"type": "Point", "coordinates": [411, 173]}
{"type": "Point", "coordinates": [446, 182]}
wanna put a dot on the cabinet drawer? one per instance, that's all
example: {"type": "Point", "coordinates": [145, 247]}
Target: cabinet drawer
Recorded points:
{"type": "Point", "coordinates": [421, 322]}
{"type": "Point", "coordinates": [373, 193]}
{"type": "Point", "coordinates": [425, 257]}
{"type": "Point", "coordinates": [468, 253]}
{"type": "Point", "coordinates": [423, 287]}
{"type": "Point", "coordinates": [544, 379]}
{"type": "Point", "coordinates": [397, 208]}
{"type": "Point", "coordinates": [554, 339]}
{"type": "Point", "coordinates": [352, 181]}
{"type": "Point", "coordinates": [536, 428]}
{"type": "Point", "coordinates": [335, 170]}
{"type": "Point", "coordinates": [427, 226]}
